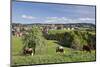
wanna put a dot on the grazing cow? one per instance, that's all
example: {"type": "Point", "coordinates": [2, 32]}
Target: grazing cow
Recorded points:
{"type": "Point", "coordinates": [28, 51]}
{"type": "Point", "coordinates": [86, 48]}
{"type": "Point", "coordinates": [60, 49]}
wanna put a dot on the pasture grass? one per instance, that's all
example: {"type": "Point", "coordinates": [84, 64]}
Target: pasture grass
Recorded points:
{"type": "Point", "coordinates": [51, 56]}
{"type": "Point", "coordinates": [16, 45]}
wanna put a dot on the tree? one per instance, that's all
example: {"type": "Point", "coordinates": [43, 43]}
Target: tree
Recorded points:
{"type": "Point", "coordinates": [33, 38]}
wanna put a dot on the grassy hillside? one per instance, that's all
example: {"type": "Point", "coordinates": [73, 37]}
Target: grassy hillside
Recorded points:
{"type": "Point", "coordinates": [72, 38]}
{"type": "Point", "coordinates": [50, 56]}
{"type": "Point", "coordinates": [16, 45]}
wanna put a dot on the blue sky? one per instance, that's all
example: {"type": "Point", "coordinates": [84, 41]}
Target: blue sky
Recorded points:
{"type": "Point", "coordinates": [28, 12]}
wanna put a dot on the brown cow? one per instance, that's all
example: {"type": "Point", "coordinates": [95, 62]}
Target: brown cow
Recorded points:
{"type": "Point", "coordinates": [86, 48]}
{"type": "Point", "coordinates": [28, 51]}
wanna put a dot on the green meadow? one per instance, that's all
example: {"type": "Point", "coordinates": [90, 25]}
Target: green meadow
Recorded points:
{"type": "Point", "coordinates": [50, 56]}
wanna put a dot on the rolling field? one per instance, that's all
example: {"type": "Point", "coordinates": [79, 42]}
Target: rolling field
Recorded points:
{"type": "Point", "coordinates": [50, 56]}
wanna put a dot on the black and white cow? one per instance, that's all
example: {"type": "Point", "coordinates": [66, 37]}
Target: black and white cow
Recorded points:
{"type": "Point", "coordinates": [60, 49]}
{"type": "Point", "coordinates": [28, 51]}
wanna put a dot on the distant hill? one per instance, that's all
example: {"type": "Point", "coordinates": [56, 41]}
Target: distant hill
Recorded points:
{"type": "Point", "coordinates": [66, 25]}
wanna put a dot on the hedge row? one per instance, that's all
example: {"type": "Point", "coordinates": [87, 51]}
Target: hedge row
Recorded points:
{"type": "Point", "coordinates": [73, 39]}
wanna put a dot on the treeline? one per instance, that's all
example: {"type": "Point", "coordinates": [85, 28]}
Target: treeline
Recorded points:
{"type": "Point", "coordinates": [73, 39]}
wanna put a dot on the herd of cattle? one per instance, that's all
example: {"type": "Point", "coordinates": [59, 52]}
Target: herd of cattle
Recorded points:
{"type": "Point", "coordinates": [29, 51]}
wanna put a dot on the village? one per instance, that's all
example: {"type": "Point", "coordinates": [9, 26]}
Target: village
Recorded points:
{"type": "Point", "coordinates": [19, 29]}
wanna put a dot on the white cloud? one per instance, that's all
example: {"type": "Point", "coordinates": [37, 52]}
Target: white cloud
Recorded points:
{"type": "Point", "coordinates": [68, 20]}
{"type": "Point", "coordinates": [51, 21]}
{"type": "Point", "coordinates": [64, 18]}
{"type": "Point", "coordinates": [56, 20]}
{"type": "Point", "coordinates": [27, 17]}
{"type": "Point", "coordinates": [87, 20]}
{"type": "Point", "coordinates": [84, 19]}
{"type": "Point", "coordinates": [52, 18]}
{"type": "Point", "coordinates": [59, 20]}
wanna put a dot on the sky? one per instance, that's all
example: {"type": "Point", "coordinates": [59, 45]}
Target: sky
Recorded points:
{"type": "Point", "coordinates": [32, 12]}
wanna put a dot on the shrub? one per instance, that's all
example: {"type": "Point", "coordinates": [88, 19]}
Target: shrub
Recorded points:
{"type": "Point", "coordinates": [33, 38]}
{"type": "Point", "coordinates": [73, 39]}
